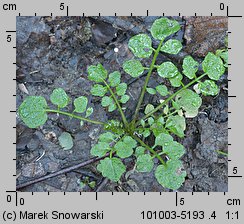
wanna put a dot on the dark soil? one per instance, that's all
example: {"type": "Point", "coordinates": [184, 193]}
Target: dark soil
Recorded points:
{"type": "Point", "coordinates": [55, 52]}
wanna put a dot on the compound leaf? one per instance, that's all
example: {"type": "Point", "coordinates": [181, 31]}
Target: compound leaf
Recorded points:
{"type": "Point", "coordinates": [133, 68]}
{"type": "Point", "coordinates": [208, 88]}
{"type": "Point", "coordinates": [170, 176]}
{"type": "Point", "coordinates": [177, 125]}
{"type": "Point", "coordinates": [213, 66]}
{"type": "Point", "coordinates": [144, 163]}
{"type": "Point", "coordinates": [171, 47]}
{"type": "Point", "coordinates": [124, 99]}
{"type": "Point", "coordinates": [190, 67]}
{"type": "Point", "coordinates": [80, 104]}
{"type": "Point", "coordinates": [151, 91]}
{"type": "Point", "coordinates": [176, 81]}
{"type": "Point", "coordinates": [32, 111]}
{"type": "Point", "coordinates": [141, 45]}
{"type": "Point", "coordinates": [167, 70]}
{"type": "Point", "coordinates": [112, 168]}
{"type": "Point", "coordinates": [174, 150]}
{"type": "Point", "coordinates": [66, 141]}
{"type": "Point", "coordinates": [114, 78]}
{"type": "Point", "coordinates": [164, 27]}
{"type": "Point", "coordinates": [162, 90]}
{"type": "Point", "coordinates": [189, 101]}
{"type": "Point", "coordinates": [100, 149]}
{"type": "Point", "coordinates": [59, 98]}
{"type": "Point", "coordinates": [121, 89]}
{"type": "Point", "coordinates": [99, 90]}
{"type": "Point", "coordinates": [97, 73]}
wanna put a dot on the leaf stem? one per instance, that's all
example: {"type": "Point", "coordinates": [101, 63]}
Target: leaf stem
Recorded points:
{"type": "Point", "coordinates": [149, 148]}
{"type": "Point", "coordinates": [146, 82]}
{"type": "Point", "coordinates": [172, 96]}
{"type": "Point", "coordinates": [74, 116]}
{"type": "Point", "coordinates": [117, 103]}
{"type": "Point", "coordinates": [222, 153]}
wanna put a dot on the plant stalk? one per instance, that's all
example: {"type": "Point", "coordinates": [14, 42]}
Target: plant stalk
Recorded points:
{"type": "Point", "coordinates": [118, 104]}
{"type": "Point", "coordinates": [149, 148]}
{"type": "Point", "coordinates": [152, 66]}
{"type": "Point", "coordinates": [75, 116]}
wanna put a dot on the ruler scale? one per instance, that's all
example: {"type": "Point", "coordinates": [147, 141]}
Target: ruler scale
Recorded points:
{"type": "Point", "coordinates": [118, 207]}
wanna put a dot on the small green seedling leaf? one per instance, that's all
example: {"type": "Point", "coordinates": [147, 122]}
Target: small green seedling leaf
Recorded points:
{"type": "Point", "coordinates": [80, 104]}
{"type": "Point", "coordinates": [175, 105]}
{"type": "Point", "coordinates": [99, 90]}
{"type": "Point", "coordinates": [32, 111]}
{"type": "Point", "coordinates": [89, 111]}
{"type": "Point", "coordinates": [213, 66]}
{"type": "Point", "coordinates": [163, 28]}
{"type": "Point", "coordinates": [150, 121]}
{"type": "Point", "coordinates": [109, 102]}
{"type": "Point", "coordinates": [167, 70]}
{"type": "Point", "coordinates": [112, 107]}
{"type": "Point", "coordinates": [208, 88]}
{"type": "Point", "coordinates": [149, 108]}
{"type": "Point", "coordinates": [151, 91]}
{"type": "Point", "coordinates": [133, 68]}
{"type": "Point", "coordinates": [177, 125]}
{"type": "Point", "coordinates": [174, 150]}
{"type": "Point", "coordinates": [107, 137]}
{"type": "Point", "coordinates": [163, 139]}
{"type": "Point", "coordinates": [146, 133]}
{"type": "Point", "coordinates": [224, 55]}
{"type": "Point", "coordinates": [176, 81]}
{"type": "Point", "coordinates": [162, 90]}
{"type": "Point", "coordinates": [190, 67]}
{"type": "Point", "coordinates": [139, 151]}
{"type": "Point", "coordinates": [92, 184]}
{"type": "Point", "coordinates": [124, 99]}
{"type": "Point", "coordinates": [171, 47]}
{"type": "Point", "coordinates": [65, 141]}
{"type": "Point", "coordinates": [143, 123]}
{"type": "Point", "coordinates": [59, 98]}
{"type": "Point", "coordinates": [114, 78]}
{"type": "Point", "coordinates": [124, 148]}
{"type": "Point", "coordinates": [170, 176]}
{"type": "Point", "coordinates": [81, 123]}
{"type": "Point", "coordinates": [112, 168]}
{"type": "Point", "coordinates": [129, 141]}
{"type": "Point", "coordinates": [97, 73]}
{"type": "Point", "coordinates": [121, 89]}
{"type": "Point", "coordinates": [106, 101]}
{"type": "Point", "coordinates": [189, 101]}
{"type": "Point", "coordinates": [100, 149]}
{"type": "Point", "coordinates": [141, 45]}
{"type": "Point", "coordinates": [144, 163]}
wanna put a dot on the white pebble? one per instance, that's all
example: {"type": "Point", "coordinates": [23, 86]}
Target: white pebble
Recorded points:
{"type": "Point", "coordinates": [116, 50]}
